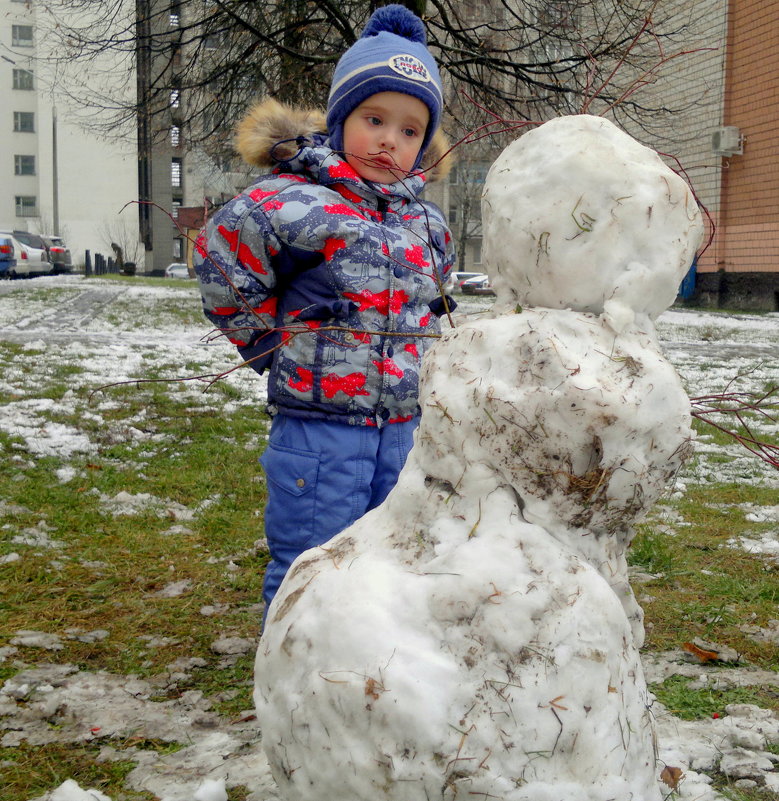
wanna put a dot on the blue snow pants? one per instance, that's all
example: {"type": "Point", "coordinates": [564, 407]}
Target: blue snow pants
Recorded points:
{"type": "Point", "coordinates": [321, 477]}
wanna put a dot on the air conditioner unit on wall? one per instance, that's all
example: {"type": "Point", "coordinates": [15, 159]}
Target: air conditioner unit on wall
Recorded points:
{"type": "Point", "coordinates": [727, 141]}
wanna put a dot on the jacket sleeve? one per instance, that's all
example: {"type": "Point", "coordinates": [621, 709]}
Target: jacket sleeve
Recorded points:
{"type": "Point", "coordinates": [234, 265]}
{"type": "Point", "coordinates": [442, 245]}
{"type": "Point", "coordinates": [450, 255]}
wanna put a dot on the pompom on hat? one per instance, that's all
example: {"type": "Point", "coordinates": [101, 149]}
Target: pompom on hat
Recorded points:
{"type": "Point", "coordinates": [391, 55]}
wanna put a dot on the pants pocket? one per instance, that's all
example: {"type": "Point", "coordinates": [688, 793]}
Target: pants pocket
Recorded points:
{"type": "Point", "coordinates": [290, 513]}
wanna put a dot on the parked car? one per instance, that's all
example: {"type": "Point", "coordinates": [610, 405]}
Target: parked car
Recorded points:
{"type": "Point", "coordinates": [478, 285]}
{"type": "Point", "coordinates": [177, 270]}
{"type": "Point", "coordinates": [7, 256]}
{"type": "Point", "coordinates": [31, 256]}
{"type": "Point", "coordinates": [59, 254]}
{"type": "Point", "coordinates": [455, 280]}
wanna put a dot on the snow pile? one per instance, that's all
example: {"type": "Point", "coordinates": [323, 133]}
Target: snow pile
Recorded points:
{"type": "Point", "coordinates": [736, 746]}
{"type": "Point", "coordinates": [70, 791]}
{"type": "Point", "coordinates": [476, 635]}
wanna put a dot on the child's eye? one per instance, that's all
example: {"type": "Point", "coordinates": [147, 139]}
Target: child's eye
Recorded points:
{"type": "Point", "coordinates": [409, 132]}
{"type": "Point", "coordinates": [374, 120]}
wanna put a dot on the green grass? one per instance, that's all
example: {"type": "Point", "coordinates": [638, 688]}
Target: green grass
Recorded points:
{"type": "Point", "coordinates": [144, 280]}
{"type": "Point", "coordinates": [185, 311]}
{"type": "Point", "coordinates": [36, 770]}
{"type": "Point", "coordinates": [726, 787]}
{"type": "Point", "coordinates": [687, 703]}
{"type": "Point", "coordinates": [703, 587]}
{"type": "Point", "coordinates": [110, 566]}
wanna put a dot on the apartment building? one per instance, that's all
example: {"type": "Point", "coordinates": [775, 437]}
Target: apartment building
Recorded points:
{"type": "Point", "coordinates": [716, 79]}
{"type": "Point", "coordinates": [68, 167]}
{"type": "Point", "coordinates": [172, 173]}
{"type": "Point", "coordinates": [56, 175]}
{"type": "Point", "coordinates": [722, 133]}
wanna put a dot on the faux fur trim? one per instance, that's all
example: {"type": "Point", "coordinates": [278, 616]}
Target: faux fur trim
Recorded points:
{"type": "Point", "coordinates": [438, 159]}
{"type": "Point", "coordinates": [270, 131]}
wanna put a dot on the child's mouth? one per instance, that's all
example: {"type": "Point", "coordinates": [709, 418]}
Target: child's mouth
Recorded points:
{"type": "Point", "coordinates": [383, 162]}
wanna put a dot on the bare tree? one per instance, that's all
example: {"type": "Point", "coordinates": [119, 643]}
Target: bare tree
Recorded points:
{"type": "Point", "coordinates": [200, 62]}
{"type": "Point", "coordinates": [119, 232]}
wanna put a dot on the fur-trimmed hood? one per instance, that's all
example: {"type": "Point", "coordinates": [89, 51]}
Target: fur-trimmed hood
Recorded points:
{"type": "Point", "coordinates": [271, 132]}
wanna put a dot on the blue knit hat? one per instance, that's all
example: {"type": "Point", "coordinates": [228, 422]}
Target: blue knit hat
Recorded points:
{"type": "Point", "coordinates": [390, 56]}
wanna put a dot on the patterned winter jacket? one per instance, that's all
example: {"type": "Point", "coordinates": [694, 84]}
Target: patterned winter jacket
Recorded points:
{"type": "Point", "coordinates": [324, 278]}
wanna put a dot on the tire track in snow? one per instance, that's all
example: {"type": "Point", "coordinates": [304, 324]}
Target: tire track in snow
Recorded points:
{"type": "Point", "coordinates": [66, 321]}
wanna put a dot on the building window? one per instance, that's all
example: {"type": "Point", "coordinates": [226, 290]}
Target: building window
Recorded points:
{"type": "Point", "coordinates": [477, 252]}
{"type": "Point", "coordinates": [469, 172]}
{"type": "Point", "coordinates": [21, 35]}
{"type": "Point", "coordinates": [175, 98]}
{"type": "Point", "coordinates": [452, 215]}
{"type": "Point", "coordinates": [178, 248]}
{"type": "Point", "coordinates": [175, 136]}
{"type": "Point", "coordinates": [562, 14]}
{"type": "Point", "coordinates": [23, 79]}
{"type": "Point", "coordinates": [24, 165]}
{"type": "Point", "coordinates": [24, 121]}
{"type": "Point", "coordinates": [477, 172]}
{"type": "Point", "coordinates": [26, 206]}
{"type": "Point", "coordinates": [175, 172]}
{"type": "Point", "coordinates": [174, 209]}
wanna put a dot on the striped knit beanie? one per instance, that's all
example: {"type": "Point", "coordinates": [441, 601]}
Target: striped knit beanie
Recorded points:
{"type": "Point", "coordinates": [390, 56]}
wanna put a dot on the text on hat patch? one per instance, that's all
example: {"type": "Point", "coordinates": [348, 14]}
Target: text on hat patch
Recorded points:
{"type": "Point", "coordinates": [410, 67]}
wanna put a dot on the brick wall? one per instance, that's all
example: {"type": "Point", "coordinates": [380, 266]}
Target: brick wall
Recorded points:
{"type": "Point", "coordinates": [748, 239]}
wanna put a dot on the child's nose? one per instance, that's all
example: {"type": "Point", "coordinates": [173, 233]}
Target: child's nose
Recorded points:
{"type": "Point", "coordinates": [388, 139]}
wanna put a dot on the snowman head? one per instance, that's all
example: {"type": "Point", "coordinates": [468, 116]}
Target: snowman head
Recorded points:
{"type": "Point", "coordinates": [578, 215]}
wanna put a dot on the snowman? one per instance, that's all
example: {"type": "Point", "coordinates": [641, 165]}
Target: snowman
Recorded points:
{"type": "Point", "coordinates": [476, 636]}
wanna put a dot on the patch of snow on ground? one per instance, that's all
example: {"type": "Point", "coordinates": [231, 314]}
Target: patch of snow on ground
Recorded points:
{"type": "Point", "coordinates": [28, 420]}
{"type": "Point", "coordinates": [127, 503]}
{"type": "Point", "coordinates": [764, 544]}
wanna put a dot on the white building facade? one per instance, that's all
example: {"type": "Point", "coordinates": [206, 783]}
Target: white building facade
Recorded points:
{"type": "Point", "coordinates": [58, 174]}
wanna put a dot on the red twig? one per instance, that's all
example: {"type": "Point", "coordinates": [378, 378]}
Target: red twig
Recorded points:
{"type": "Point", "coordinates": [617, 66]}
{"type": "Point", "coordinates": [739, 405]}
{"type": "Point", "coordinates": [712, 225]}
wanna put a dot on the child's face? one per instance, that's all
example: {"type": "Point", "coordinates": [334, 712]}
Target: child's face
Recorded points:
{"type": "Point", "coordinates": [383, 136]}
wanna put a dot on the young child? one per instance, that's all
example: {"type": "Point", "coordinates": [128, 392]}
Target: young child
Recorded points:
{"type": "Point", "coordinates": [327, 272]}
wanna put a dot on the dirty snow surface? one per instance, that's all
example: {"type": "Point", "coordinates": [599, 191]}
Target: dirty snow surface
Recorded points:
{"type": "Point", "coordinates": [707, 349]}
